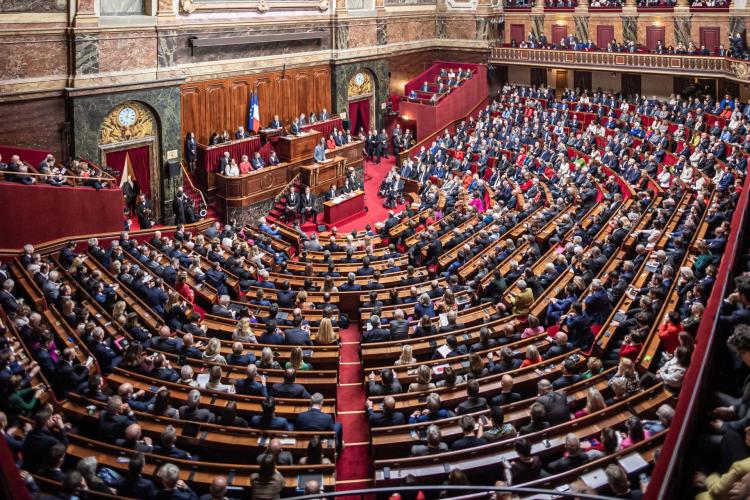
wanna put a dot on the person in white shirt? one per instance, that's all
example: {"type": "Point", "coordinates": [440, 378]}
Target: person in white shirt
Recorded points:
{"type": "Point", "coordinates": [232, 170]}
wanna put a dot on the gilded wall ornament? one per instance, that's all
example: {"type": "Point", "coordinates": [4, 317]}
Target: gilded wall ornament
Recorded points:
{"type": "Point", "coordinates": [263, 6]}
{"type": "Point", "coordinates": [128, 121]}
{"type": "Point", "coordinates": [187, 6]}
{"type": "Point", "coordinates": [360, 84]}
{"type": "Point", "coordinates": [742, 70]}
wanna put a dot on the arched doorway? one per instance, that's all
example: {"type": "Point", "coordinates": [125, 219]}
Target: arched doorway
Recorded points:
{"type": "Point", "coordinates": [361, 101]}
{"type": "Point", "coordinates": [129, 142]}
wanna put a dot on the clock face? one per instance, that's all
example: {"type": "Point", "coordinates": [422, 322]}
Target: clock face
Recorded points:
{"type": "Point", "coordinates": [359, 78]}
{"type": "Point", "coordinates": [126, 117]}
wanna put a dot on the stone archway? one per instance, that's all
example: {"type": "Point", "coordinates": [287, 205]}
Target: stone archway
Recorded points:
{"type": "Point", "coordinates": [361, 87]}
{"type": "Point", "coordinates": [131, 125]}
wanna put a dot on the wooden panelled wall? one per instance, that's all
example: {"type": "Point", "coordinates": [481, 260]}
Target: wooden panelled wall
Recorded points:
{"type": "Point", "coordinates": [217, 105]}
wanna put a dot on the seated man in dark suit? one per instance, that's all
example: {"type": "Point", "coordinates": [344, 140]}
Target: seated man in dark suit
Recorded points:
{"type": "Point", "coordinates": [561, 346]}
{"type": "Point", "coordinates": [389, 384]}
{"type": "Point", "coordinates": [192, 411]}
{"type": "Point", "coordinates": [375, 333]}
{"type": "Point", "coordinates": [307, 206]}
{"type": "Point", "coordinates": [350, 285]}
{"type": "Point", "coordinates": [269, 421]}
{"type": "Point", "coordinates": [135, 486]}
{"type": "Point", "coordinates": [469, 439]}
{"type": "Point", "coordinates": [473, 402]}
{"type": "Point", "coordinates": [315, 419]}
{"type": "Point", "coordinates": [574, 456]}
{"type": "Point", "coordinates": [291, 208]}
{"type": "Point", "coordinates": [168, 449]}
{"type": "Point", "coordinates": [257, 162]}
{"type": "Point", "coordinates": [48, 431]}
{"type": "Point", "coordinates": [249, 386]}
{"type": "Point", "coordinates": [288, 388]}
{"type": "Point", "coordinates": [115, 419]}
{"type": "Point", "coordinates": [386, 418]}
{"type": "Point", "coordinates": [296, 335]}
{"type": "Point", "coordinates": [554, 402]}
{"type": "Point", "coordinates": [399, 326]}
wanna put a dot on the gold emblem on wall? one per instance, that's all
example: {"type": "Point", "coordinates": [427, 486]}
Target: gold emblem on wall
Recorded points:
{"type": "Point", "coordinates": [360, 84]}
{"type": "Point", "coordinates": [742, 70]}
{"type": "Point", "coordinates": [128, 121]}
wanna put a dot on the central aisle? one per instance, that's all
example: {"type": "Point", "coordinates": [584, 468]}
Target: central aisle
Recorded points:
{"type": "Point", "coordinates": [354, 466]}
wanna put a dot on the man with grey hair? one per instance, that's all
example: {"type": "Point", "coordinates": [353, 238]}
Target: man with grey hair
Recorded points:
{"type": "Point", "coordinates": [9, 302]}
{"type": "Point", "coordinates": [192, 411]}
{"type": "Point", "coordinates": [222, 308]}
{"type": "Point", "coordinates": [249, 386]}
{"type": "Point", "coordinates": [433, 443]}
{"type": "Point", "coordinates": [555, 402]}
{"type": "Point", "coordinates": [351, 284]}
{"type": "Point", "coordinates": [665, 414]}
{"type": "Point", "coordinates": [574, 456]}
{"type": "Point", "coordinates": [597, 303]}
{"type": "Point", "coordinates": [374, 332]}
{"type": "Point", "coordinates": [172, 485]}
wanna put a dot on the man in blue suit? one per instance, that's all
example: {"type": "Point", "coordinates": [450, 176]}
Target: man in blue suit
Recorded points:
{"type": "Point", "coordinates": [249, 386]}
{"type": "Point", "coordinates": [315, 419]}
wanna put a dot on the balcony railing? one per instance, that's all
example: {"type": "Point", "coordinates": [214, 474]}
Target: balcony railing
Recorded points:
{"type": "Point", "coordinates": [607, 61]}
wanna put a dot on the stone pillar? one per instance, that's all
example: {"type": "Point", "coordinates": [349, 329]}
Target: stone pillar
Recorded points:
{"type": "Point", "coordinates": [86, 14]}
{"type": "Point", "coordinates": [166, 12]}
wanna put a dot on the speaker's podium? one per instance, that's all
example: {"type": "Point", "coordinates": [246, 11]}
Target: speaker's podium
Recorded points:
{"type": "Point", "coordinates": [344, 208]}
{"type": "Point", "coordinates": [290, 148]}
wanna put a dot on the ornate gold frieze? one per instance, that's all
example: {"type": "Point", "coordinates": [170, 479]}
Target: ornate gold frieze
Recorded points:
{"type": "Point", "coordinates": [360, 84]}
{"type": "Point", "coordinates": [127, 121]}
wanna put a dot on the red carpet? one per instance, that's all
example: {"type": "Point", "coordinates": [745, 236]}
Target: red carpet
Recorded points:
{"type": "Point", "coordinates": [354, 466]}
{"type": "Point", "coordinates": [376, 212]}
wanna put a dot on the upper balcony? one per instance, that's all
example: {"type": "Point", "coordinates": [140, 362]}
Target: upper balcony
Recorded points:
{"type": "Point", "coordinates": [708, 66]}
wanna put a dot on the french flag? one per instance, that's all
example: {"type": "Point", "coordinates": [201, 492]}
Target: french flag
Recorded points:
{"type": "Point", "coordinates": [254, 114]}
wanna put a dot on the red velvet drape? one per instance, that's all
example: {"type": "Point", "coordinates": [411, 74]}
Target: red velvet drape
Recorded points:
{"type": "Point", "coordinates": [359, 115]}
{"type": "Point", "coordinates": [116, 161]}
{"type": "Point", "coordinates": [140, 162]}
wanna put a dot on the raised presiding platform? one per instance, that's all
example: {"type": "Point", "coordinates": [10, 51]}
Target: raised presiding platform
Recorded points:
{"type": "Point", "coordinates": [297, 147]}
{"type": "Point", "coordinates": [344, 208]}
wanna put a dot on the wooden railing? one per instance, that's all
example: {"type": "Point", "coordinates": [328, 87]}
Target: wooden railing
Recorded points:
{"type": "Point", "coordinates": [644, 62]}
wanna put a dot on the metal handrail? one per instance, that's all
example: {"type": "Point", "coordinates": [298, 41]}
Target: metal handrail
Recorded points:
{"type": "Point", "coordinates": [470, 489]}
{"type": "Point", "coordinates": [204, 204]}
{"type": "Point", "coordinates": [286, 188]}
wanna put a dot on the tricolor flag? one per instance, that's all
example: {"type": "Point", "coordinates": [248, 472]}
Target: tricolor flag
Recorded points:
{"type": "Point", "coordinates": [253, 119]}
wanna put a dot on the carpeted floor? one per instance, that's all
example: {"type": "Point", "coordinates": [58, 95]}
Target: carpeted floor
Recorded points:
{"type": "Point", "coordinates": [376, 212]}
{"type": "Point", "coordinates": [354, 466]}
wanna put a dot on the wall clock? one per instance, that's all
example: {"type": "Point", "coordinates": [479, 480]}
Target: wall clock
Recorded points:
{"type": "Point", "coordinates": [359, 79]}
{"type": "Point", "coordinates": [127, 116]}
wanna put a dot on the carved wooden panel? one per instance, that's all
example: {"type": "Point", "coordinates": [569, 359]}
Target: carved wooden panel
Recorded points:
{"type": "Point", "coordinates": [218, 105]}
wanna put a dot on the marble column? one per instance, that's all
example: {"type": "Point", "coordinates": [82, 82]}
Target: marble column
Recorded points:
{"type": "Point", "coordinates": [86, 14]}
{"type": "Point", "coordinates": [682, 30]}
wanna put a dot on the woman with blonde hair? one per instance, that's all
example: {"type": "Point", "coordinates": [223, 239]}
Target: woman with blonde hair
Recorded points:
{"type": "Point", "coordinates": [243, 332]}
{"type": "Point", "coordinates": [119, 308]}
{"type": "Point", "coordinates": [627, 375]}
{"type": "Point", "coordinates": [594, 402]}
{"type": "Point", "coordinates": [213, 352]}
{"type": "Point", "coordinates": [326, 334]}
{"type": "Point", "coordinates": [532, 357]}
{"type": "Point", "coordinates": [406, 357]}
{"type": "Point", "coordinates": [302, 301]}
{"type": "Point", "coordinates": [266, 360]}
{"type": "Point", "coordinates": [424, 380]}
{"type": "Point", "coordinates": [296, 360]}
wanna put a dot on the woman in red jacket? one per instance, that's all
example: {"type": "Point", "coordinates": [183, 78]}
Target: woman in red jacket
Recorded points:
{"type": "Point", "coordinates": [669, 332]}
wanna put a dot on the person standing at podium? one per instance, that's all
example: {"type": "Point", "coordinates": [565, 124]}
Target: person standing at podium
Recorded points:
{"type": "Point", "coordinates": [319, 154]}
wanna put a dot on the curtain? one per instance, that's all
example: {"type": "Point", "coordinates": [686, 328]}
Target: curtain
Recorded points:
{"type": "Point", "coordinates": [359, 115]}
{"type": "Point", "coordinates": [140, 163]}
{"type": "Point", "coordinates": [116, 161]}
